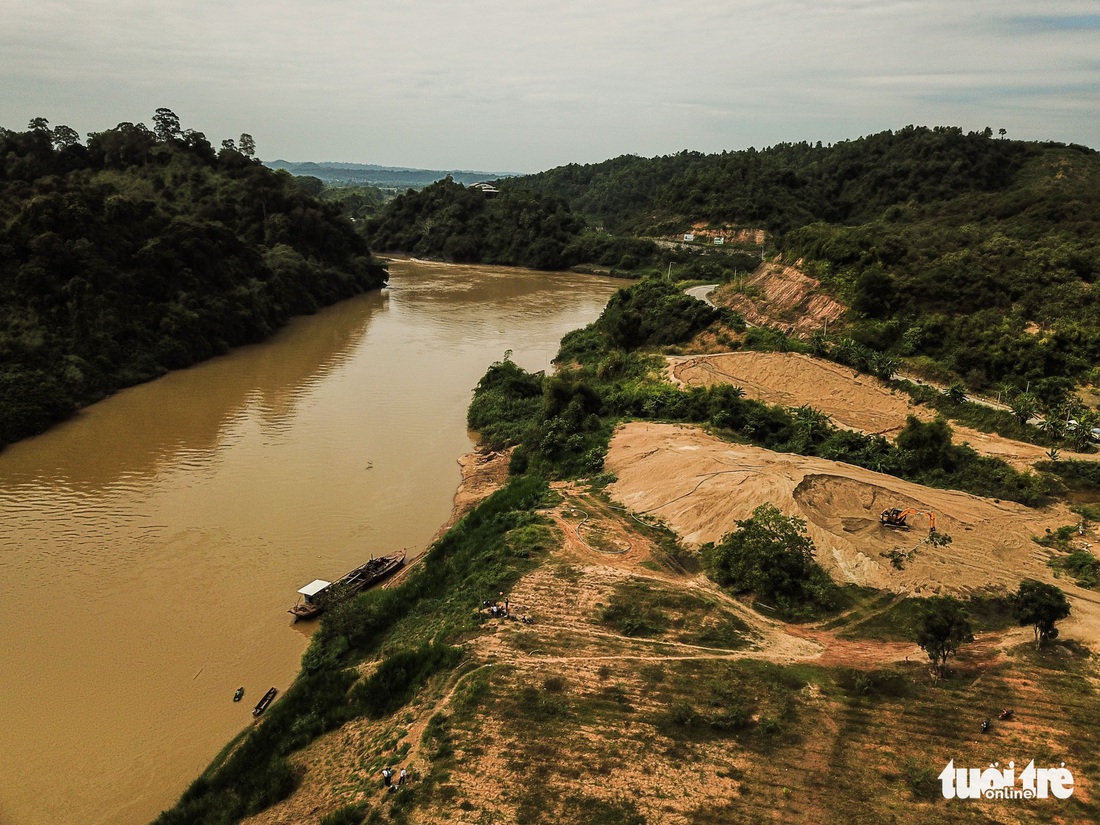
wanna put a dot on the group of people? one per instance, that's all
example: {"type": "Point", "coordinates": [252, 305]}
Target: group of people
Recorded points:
{"type": "Point", "coordinates": [387, 779]}
{"type": "Point", "coordinates": [502, 611]}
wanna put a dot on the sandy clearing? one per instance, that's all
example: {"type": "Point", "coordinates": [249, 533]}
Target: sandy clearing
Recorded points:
{"type": "Point", "coordinates": [855, 401]}
{"type": "Point", "coordinates": [852, 400]}
{"type": "Point", "coordinates": [701, 486]}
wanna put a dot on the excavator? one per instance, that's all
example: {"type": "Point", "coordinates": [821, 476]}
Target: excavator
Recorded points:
{"type": "Point", "coordinates": [895, 517]}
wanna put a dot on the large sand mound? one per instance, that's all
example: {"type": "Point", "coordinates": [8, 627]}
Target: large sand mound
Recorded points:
{"type": "Point", "coordinates": [701, 486]}
{"type": "Point", "coordinates": [852, 400]}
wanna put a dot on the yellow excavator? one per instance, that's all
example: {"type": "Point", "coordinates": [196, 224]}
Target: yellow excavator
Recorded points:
{"type": "Point", "coordinates": [895, 517]}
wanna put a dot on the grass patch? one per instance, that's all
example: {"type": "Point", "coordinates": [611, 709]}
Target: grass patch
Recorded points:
{"type": "Point", "coordinates": [644, 609]}
{"type": "Point", "coordinates": [886, 618]}
{"type": "Point", "coordinates": [1078, 476]}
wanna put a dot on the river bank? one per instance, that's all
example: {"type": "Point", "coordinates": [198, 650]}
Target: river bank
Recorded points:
{"type": "Point", "coordinates": [154, 542]}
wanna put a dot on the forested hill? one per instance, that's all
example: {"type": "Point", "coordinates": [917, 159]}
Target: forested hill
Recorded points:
{"type": "Point", "coordinates": [971, 255]}
{"type": "Point", "coordinates": [788, 185]}
{"type": "Point", "coordinates": [146, 250]}
{"type": "Point", "coordinates": [519, 228]}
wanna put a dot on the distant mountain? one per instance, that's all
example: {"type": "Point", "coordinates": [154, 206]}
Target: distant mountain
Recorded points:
{"type": "Point", "coordinates": [387, 177]}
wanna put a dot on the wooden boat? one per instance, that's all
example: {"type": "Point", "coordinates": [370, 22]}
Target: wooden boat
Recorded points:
{"type": "Point", "coordinates": [320, 594]}
{"type": "Point", "coordinates": [238, 694]}
{"type": "Point", "coordinates": [261, 706]}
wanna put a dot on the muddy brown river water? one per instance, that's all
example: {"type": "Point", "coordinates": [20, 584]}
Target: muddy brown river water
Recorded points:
{"type": "Point", "coordinates": [150, 547]}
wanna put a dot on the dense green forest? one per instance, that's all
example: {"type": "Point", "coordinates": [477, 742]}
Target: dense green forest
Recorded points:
{"type": "Point", "coordinates": [146, 250]}
{"type": "Point", "coordinates": [972, 253]}
{"type": "Point", "coordinates": [519, 228]}
{"type": "Point", "coordinates": [788, 185]}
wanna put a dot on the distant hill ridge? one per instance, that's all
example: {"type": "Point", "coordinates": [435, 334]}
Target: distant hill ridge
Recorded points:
{"type": "Point", "coordinates": [332, 172]}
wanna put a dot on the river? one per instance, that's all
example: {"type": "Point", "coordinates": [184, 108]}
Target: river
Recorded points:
{"type": "Point", "coordinates": [150, 546]}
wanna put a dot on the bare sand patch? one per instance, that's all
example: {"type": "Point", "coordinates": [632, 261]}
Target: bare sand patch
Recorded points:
{"type": "Point", "coordinates": [701, 486]}
{"type": "Point", "coordinates": [852, 400]}
{"type": "Point", "coordinates": [855, 401]}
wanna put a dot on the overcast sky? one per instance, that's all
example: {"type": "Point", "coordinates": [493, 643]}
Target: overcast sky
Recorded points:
{"type": "Point", "coordinates": [507, 85]}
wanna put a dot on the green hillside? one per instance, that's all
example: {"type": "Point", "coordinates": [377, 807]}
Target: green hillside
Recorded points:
{"type": "Point", "coordinates": [517, 228]}
{"type": "Point", "coordinates": [977, 253]}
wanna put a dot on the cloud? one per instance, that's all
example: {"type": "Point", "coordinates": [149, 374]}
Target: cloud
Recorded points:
{"type": "Point", "coordinates": [494, 84]}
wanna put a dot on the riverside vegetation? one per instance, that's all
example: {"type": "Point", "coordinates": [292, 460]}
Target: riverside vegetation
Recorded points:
{"type": "Point", "coordinates": [147, 250]}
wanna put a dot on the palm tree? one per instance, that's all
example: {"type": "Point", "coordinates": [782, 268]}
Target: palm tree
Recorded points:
{"type": "Point", "coordinates": [1024, 406]}
{"type": "Point", "coordinates": [884, 366]}
{"type": "Point", "coordinates": [956, 392]}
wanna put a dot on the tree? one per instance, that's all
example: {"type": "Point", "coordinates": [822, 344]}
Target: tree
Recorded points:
{"type": "Point", "coordinates": [1080, 430]}
{"type": "Point", "coordinates": [39, 124]}
{"type": "Point", "coordinates": [942, 628]}
{"type": "Point", "coordinates": [65, 136]}
{"type": "Point", "coordinates": [228, 145]}
{"type": "Point", "coordinates": [927, 446]}
{"type": "Point", "coordinates": [246, 145]}
{"type": "Point", "coordinates": [166, 124]}
{"type": "Point", "coordinates": [772, 556]}
{"type": "Point", "coordinates": [1040, 605]}
{"type": "Point", "coordinates": [1024, 406]}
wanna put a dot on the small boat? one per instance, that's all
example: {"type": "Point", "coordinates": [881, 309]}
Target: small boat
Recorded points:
{"type": "Point", "coordinates": [261, 706]}
{"type": "Point", "coordinates": [238, 694]}
{"type": "Point", "coordinates": [320, 594]}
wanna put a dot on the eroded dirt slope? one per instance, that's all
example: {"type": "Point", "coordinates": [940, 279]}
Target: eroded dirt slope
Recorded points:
{"type": "Point", "coordinates": [782, 296]}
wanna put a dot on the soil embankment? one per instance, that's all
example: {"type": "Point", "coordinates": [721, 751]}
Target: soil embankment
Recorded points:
{"type": "Point", "coordinates": [781, 296]}
{"type": "Point", "coordinates": [854, 401]}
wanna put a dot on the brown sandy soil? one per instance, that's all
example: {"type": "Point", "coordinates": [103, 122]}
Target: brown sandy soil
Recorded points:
{"type": "Point", "coordinates": [781, 296]}
{"type": "Point", "coordinates": [852, 400]}
{"type": "Point", "coordinates": [857, 402]}
{"type": "Point", "coordinates": [701, 486]}
{"type": "Point", "coordinates": [503, 762]}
